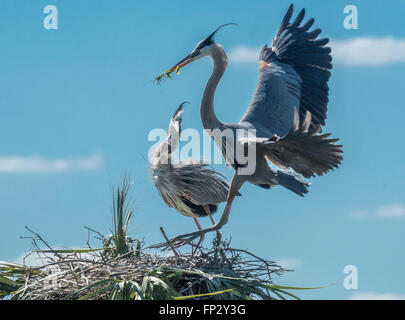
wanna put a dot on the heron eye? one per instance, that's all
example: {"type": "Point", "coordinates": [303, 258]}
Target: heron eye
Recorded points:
{"type": "Point", "coordinates": [204, 43]}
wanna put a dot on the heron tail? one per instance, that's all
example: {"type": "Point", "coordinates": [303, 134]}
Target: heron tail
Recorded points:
{"type": "Point", "coordinates": [305, 150]}
{"type": "Point", "coordinates": [292, 182]}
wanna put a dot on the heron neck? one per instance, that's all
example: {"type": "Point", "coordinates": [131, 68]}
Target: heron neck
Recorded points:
{"type": "Point", "coordinates": [208, 116]}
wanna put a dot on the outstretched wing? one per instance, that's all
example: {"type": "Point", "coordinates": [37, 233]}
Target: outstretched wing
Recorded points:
{"type": "Point", "coordinates": [294, 72]}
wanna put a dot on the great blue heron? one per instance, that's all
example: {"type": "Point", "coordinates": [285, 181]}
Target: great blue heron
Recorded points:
{"type": "Point", "coordinates": [287, 111]}
{"type": "Point", "coordinates": [190, 187]}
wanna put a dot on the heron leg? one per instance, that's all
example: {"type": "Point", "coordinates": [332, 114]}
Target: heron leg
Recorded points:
{"type": "Point", "coordinates": [199, 228]}
{"type": "Point", "coordinates": [181, 240]}
{"type": "Point", "coordinates": [208, 211]}
{"type": "Point", "coordinates": [236, 184]}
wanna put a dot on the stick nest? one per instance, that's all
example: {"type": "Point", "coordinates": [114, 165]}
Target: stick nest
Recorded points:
{"type": "Point", "coordinates": [220, 272]}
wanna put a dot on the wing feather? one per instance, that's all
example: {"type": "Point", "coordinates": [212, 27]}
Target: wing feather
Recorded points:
{"type": "Point", "coordinates": [303, 149]}
{"type": "Point", "coordinates": [294, 73]}
{"type": "Point", "coordinates": [200, 184]}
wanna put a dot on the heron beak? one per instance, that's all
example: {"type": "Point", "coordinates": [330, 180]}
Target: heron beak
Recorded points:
{"type": "Point", "coordinates": [182, 63]}
{"type": "Point", "coordinates": [166, 74]}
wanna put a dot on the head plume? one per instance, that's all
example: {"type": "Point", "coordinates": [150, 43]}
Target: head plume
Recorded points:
{"type": "Point", "coordinates": [209, 40]}
{"type": "Point", "coordinates": [219, 28]}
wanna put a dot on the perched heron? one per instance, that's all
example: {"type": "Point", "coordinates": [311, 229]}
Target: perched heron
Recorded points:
{"type": "Point", "coordinates": [190, 187]}
{"type": "Point", "coordinates": [287, 111]}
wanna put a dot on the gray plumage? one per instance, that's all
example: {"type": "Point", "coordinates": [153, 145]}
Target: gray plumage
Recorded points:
{"type": "Point", "coordinates": [186, 186]}
{"type": "Point", "coordinates": [287, 112]}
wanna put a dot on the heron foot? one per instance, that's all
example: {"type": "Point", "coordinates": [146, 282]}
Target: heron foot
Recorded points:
{"type": "Point", "coordinates": [186, 238]}
{"type": "Point", "coordinates": [200, 241]}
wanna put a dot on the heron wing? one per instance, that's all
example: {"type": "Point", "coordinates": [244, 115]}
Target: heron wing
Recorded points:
{"type": "Point", "coordinates": [200, 184]}
{"type": "Point", "coordinates": [294, 72]}
{"type": "Point", "coordinates": [304, 150]}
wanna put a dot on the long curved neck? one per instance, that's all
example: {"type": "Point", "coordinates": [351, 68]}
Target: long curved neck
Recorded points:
{"type": "Point", "coordinates": [220, 62]}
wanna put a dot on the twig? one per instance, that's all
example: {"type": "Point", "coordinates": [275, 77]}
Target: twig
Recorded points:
{"type": "Point", "coordinates": [167, 239]}
{"type": "Point", "coordinates": [39, 237]}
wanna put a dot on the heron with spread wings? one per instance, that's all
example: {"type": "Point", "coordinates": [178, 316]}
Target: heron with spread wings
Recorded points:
{"type": "Point", "coordinates": [287, 111]}
{"type": "Point", "coordinates": [190, 187]}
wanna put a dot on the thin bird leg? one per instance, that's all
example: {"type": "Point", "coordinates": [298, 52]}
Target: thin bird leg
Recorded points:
{"type": "Point", "coordinates": [181, 240]}
{"type": "Point", "coordinates": [208, 211]}
{"type": "Point", "coordinates": [236, 184]}
{"type": "Point", "coordinates": [199, 228]}
{"type": "Point", "coordinates": [197, 223]}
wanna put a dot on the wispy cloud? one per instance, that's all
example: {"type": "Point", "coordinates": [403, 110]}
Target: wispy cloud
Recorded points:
{"type": "Point", "coordinates": [376, 296]}
{"type": "Point", "coordinates": [244, 54]}
{"type": "Point", "coordinates": [37, 164]}
{"type": "Point", "coordinates": [359, 214]}
{"type": "Point", "coordinates": [394, 211]}
{"type": "Point", "coordinates": [33, 259]}
{"type": "Point", "coordinates": [368, 51]}
{"type": "Point", "coordinates": [360, 51]}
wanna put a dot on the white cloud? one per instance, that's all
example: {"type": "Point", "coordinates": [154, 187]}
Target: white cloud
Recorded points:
{"type": "Point", "coordinates": [244, 54]}
{"type": "Point", "coordinates": [35, 164]}
{"type": "Point", "coordinates": [368, 51]}
{"type": "Point", "coordinates": [376, 296]}
{"type": "Point", "coordinates": [33, 259]}
{"type": "Point", "coordinates": [290, 263]}
{"type": "Point", "coordinates": [359, 214]}
{"type": "Point", "coordinates": [359, 51]}
{"type": "Point", "coordinates": [396, 211]}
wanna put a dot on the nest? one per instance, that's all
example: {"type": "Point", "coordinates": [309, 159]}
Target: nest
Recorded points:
{"type": "Point", "coordinates": [123, 268]}
{"type": "Point", "coordinates": [220, 272]}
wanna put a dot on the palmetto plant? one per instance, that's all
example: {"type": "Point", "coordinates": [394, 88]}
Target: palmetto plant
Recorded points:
{"type": "Point", "coordinates": [12, 277]}
{"type": "Point", "coordinates": [122, 269]}
{"type": "Point", "coordinates": [119, 243]}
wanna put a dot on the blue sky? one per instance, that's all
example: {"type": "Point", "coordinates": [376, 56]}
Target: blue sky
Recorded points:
{"type": "Point", "coordinates": [77, 105]}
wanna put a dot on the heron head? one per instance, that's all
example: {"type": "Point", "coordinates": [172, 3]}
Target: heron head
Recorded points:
{"type": "Point", "coordinates": [202, 49]}
{"type": "Point", "coordinates": [179, 111]}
